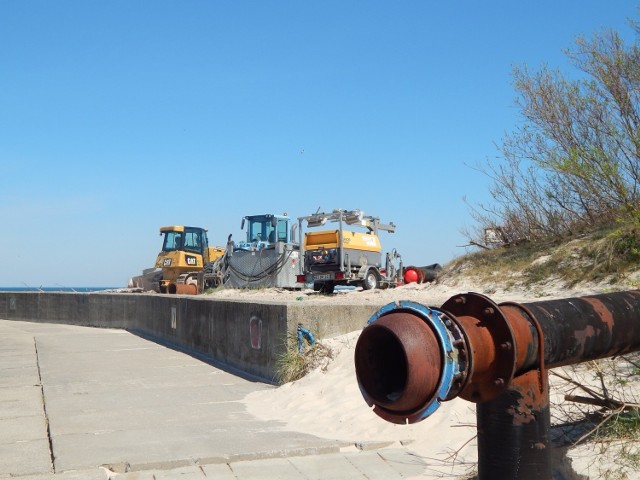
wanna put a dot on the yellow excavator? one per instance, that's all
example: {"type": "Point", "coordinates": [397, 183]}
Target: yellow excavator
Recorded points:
{"type": "Point", "coordinates": [185, 252]}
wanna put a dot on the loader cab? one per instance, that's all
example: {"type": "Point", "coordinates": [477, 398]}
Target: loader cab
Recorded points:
{"type": "Point", "coordinates": [184, 239]}
{"type": "Point", "coordinates": [265, 230]}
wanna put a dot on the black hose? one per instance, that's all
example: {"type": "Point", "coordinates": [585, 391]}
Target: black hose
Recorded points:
{"type": "Point", "coordinates": [272, 270]}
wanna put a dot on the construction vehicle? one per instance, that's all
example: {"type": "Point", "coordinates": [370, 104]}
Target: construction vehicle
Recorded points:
{"type": "Point", "coordinates": [345, 257]}
{"type": "Point", "coordinates": [267, 256]}
{"type": "Point", "coordinates": [185, 252]}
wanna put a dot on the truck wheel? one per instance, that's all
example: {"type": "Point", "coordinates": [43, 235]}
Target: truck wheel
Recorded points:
{"type": "Point", "coordinates": [370, 281]}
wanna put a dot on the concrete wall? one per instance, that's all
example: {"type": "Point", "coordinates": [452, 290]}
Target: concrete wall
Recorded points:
{"type": "Point", "coordinates": [327, 321]}
{"type": "Point", "coordinates": [248, 337]}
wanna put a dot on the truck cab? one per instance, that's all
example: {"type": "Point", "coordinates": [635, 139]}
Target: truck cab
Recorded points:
{"type": "Point", "coordinates": [263, 231]}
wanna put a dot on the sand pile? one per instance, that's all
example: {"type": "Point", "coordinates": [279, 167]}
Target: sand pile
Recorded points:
{"type": "Point", "coordinates": [328, 403]}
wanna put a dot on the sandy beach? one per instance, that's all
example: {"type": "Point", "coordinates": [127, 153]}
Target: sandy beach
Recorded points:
{"type": "Point", "coordinates": [328, 403]}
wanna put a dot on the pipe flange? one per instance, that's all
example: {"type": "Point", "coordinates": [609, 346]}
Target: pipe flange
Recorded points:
{"type": "Point", "coordinates": [494, 364]}
{"type": "Point", "coordinates": [452, 348]}
{"type": "Point", "coordinates": [460, 353]}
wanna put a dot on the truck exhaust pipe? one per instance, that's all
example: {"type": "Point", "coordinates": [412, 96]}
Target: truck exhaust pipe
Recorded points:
{"type": "Point", "coordinates": [410, 358]}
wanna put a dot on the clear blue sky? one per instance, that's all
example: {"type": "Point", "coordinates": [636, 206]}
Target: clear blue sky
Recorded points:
{"type": "Point", "coordinates": [118, 117]}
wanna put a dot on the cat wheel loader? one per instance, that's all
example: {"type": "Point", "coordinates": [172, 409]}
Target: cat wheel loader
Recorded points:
{"type": "Point", "coordinates": [342, 256]}
{"type": "Point", "coordinates": [185, 252]}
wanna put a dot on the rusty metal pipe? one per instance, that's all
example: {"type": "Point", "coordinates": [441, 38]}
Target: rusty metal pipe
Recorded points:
{"type": "Point", "coordinates": [493, 355]}
{"type": "Point", "coordinates": [182, 289]}
{"type": "Point", "coordinates": [408, 360]}
{"type": "Point", "coordinates": [588, 328]}
{"type": "Point", "coordinates": [513, 431]}
{"type": "Point", "coordinates": [485, 345]}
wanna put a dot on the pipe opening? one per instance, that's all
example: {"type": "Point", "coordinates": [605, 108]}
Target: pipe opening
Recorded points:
{"type": "Point", "coordinates": [398, 364]}
{"type": "Point", "coordinates": [381, 365]}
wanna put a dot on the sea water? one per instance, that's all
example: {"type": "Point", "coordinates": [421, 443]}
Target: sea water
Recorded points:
{"type": "Point", "coordinates": [56, 289]}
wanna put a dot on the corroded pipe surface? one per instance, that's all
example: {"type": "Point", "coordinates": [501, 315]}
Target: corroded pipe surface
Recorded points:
{"type": "Point", "coordinates": [587, 328]}
{"type": "Point", "coordinates": [513, 432]}
{"type": "Point", "coordinates": [182, 289]}
{"type": "Point", "coordinates": [495, 343]}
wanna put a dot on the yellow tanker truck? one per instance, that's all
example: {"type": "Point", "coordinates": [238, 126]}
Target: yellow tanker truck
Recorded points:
{"type": "Point", "coordinates": [341, 256]}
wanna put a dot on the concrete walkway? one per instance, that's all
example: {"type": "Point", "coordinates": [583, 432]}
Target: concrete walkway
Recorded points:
{"type": "Point", "coordinates": [84, 403]}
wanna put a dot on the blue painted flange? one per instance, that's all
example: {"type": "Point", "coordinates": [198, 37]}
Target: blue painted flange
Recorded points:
{"type": "Point", "coordinates": [451, 367]}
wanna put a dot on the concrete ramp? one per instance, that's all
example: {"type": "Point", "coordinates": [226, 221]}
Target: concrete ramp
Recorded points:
{"type": "Point", "coordinates": [83, 403]}
{"type": "Point", "coordinates": [24, 442]}
{"type": "Point", "coordinates": [113, 399]}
